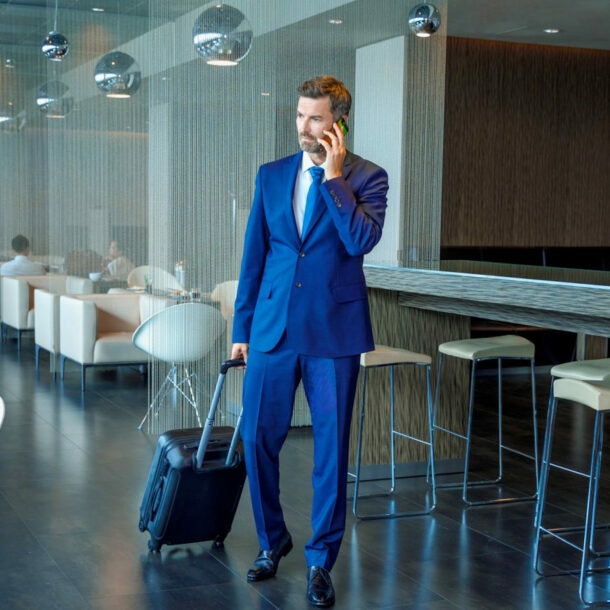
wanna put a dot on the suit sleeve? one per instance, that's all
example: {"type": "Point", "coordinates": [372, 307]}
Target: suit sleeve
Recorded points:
{"type": "Point", "coordinates": [252, 266]}
{"type": "Point", "coordinates": [357, 205]}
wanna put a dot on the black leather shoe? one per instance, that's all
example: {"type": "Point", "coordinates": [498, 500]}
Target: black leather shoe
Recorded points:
{"type": "Point", "coordinates": [266, 562]}
{"type": "Point", "coordinates": [320, 591]}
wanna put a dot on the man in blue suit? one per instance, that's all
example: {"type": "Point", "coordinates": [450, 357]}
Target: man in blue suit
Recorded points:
{"type": "Point", "coordinates": [301, 314]}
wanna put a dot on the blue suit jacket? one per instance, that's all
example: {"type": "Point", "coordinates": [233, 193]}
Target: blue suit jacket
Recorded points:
{"type": "Point", "coordinates": [312, 287]}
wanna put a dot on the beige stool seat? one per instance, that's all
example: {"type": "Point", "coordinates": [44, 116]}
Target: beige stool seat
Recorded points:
{"type": "Point", "coordinates": [503, 346]}
{"type": "Point", "coordinates": [499, 348]}
{"type": "Point", "coordinates": [593, 395]}
{"type": "Point", "coordinates": [585, 370]}
{"type": "Point", "coordinates": [384, 356]}
{"type": "Point", "coordinates": [596, 396]}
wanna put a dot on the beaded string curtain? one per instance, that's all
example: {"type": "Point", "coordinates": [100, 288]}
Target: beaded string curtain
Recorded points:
{"type": "Point", "coordinates": [169, 172]}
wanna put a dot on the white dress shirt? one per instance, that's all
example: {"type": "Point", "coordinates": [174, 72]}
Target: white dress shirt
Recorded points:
{"type": "Point", "coordinates": [22, 265]}
{"type": "Point", "coordinates": [301, 187]}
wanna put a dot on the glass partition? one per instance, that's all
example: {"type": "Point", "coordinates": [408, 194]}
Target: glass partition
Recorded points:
{"type": "Point", "coordinates": [167, 174]}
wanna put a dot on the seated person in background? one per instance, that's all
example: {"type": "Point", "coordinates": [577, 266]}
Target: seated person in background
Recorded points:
{"type": "Point", "coordinates": [21, 264]}
{"type": "Point", "coordinates": [116, 265]}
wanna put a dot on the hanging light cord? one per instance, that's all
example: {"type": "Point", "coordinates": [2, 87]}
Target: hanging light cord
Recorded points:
{"type": "Point", "coordinates": [55, 18]}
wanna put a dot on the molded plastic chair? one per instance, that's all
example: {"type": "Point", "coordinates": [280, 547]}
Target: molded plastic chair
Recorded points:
{"type": "Point", "coordinates": [180, 335]}
{"type": "Point", "coordinates": [161, 279]}
{"type": "Point", "coordinates": [225, 293]}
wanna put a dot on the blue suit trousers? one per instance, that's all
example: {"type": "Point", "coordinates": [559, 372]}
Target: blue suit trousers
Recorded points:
{"type": "Point", "coordinates": [270, 384]}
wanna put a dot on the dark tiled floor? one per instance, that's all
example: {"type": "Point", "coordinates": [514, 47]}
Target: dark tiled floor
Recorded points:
{"type": "Point", "coordinates": [72, 473]}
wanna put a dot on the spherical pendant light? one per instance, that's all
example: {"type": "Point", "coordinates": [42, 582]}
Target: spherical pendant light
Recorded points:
{"type": "Point", "coordinates": [424, 20]}
{"type": "Point", "coordinates": [53, 100]}
{"type": "Point", "coordinates": [118, 75]}
{"type": "Point", "coordinates": [222, 35]}
{"type": "Point", "coordinates": [10, 118]}
{"type": "Point", "coordinates": [55, 46]}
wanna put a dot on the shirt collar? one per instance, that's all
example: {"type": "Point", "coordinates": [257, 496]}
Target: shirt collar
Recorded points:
{"type": "Point", "coordinates": [307, 163]}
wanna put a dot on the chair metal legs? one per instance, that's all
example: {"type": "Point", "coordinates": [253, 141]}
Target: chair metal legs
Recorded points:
{"type": "Point", "coordinates": [502, 447]}
{"type": "Point", "coordinates": [185, 385]}
{"type": "Point", "coordinates": [429, 441]}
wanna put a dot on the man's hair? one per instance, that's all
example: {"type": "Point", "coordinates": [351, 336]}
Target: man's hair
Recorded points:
{"type": "Point", "coordinates": [326, 85]}
{"type": "Point", "coordinates": [20, 243]}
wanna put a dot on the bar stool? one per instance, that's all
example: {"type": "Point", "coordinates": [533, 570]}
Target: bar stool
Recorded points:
{"type": "Point", "coordinates": [384, 356]}
{"type": "Point", "coordinates": [596, 396]}
{"type": "Point", "coordinates": [503, 347]}
{"type": "Point", "coordinates": [585, 370]}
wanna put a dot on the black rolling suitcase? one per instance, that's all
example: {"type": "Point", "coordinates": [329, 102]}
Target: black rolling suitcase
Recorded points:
{"type": "Point", "coordinates": [195, 481]}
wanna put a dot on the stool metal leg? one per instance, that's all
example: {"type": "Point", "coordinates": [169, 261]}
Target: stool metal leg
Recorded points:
{"type": "Point", "coordinates": [392, 440]}
{"type": "Point", "coordinates": [393, 433]}
{"type": "Point", "coordinates": [588, 552]}
{"type": "Point", "coordinates": [543, 480]}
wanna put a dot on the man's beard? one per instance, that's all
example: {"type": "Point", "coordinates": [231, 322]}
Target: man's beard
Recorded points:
{"type": "Point", "coordinates": [315, 148]}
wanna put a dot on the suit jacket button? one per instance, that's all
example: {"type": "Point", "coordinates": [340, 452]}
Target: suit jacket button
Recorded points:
{"type": "Point", "coordinates": [302, 254]}
{"type": "Point", "coordinates": [298, 284]}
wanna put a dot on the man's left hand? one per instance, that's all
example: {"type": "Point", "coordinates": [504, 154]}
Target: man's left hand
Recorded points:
{"type": "Point", "coordinates": [334, 144]}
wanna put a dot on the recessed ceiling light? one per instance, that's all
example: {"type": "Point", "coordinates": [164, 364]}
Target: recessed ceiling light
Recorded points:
{"type": "Point", "coordinates": [97, 9]}
{"type": "Point", "coordinates": [335, 21]}
{"type": "Point", "coordinates": [265, 94]}
{"type": "Point", "coordinates": [552, 30]}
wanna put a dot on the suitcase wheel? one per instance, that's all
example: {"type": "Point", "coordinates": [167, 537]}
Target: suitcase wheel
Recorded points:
{"type": "Point", "coordinates": [154, 546]}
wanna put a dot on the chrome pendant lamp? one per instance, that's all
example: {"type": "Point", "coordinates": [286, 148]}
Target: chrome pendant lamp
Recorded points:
{"type": "Point", "coordinates": [53, 100]}
{"type": "Point", "coordinates": [10, 118]}
{"type": "Point", "coordinates": [55, 46]}
{"type": "Point", "coordinates": [424, 20]}
{"type": "Point", "coordinates": [222, 35]}
{"type": "Point", "coordinates": [117, 74]}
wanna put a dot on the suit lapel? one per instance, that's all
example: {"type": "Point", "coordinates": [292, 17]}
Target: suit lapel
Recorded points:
{"type": "Point", "coordinates": [320, 205]}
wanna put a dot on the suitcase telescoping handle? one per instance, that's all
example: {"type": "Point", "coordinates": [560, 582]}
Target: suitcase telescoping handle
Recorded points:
{"type": "Point", "coordinates": [209, 422]}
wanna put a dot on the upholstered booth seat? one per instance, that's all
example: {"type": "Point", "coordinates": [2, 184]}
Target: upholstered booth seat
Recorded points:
{"type": "Point", "coordinates": [96, 329]}
{"type": "Point", "coordinates": [18, 304]}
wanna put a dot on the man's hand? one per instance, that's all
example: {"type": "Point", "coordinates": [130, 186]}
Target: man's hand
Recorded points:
{"type": "Point", "coordinates": [239, 351]}
{"type": "Point", "coordinates": [334, 144]}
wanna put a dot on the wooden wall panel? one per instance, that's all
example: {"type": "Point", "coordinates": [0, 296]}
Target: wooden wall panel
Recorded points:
{"type": "Point", "coordinates": [527, 130]}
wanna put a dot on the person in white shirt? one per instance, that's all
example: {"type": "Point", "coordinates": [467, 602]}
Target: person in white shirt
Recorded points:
{"type": "Point", "coordinates": [117, 265]}
{"type": "Point", "coordinates": [21, 264]}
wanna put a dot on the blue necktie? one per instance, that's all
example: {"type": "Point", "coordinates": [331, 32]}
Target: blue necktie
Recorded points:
{"type": "Point", "coordinates": [312, 196]}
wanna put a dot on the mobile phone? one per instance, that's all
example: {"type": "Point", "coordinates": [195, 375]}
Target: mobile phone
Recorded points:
{"type": "Point", "coordinates": [343, 126]}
